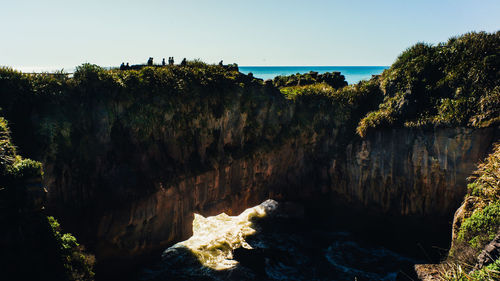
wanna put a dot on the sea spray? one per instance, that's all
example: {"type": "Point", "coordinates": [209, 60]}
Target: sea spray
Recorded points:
{"type": "Point", "coordinates": [215, 238]}
{"type": "Point", "coordinates": [274, 241]}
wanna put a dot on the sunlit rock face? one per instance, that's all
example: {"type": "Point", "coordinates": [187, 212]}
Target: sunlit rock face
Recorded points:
{"type": "Point", "coordinates": [274, 241]}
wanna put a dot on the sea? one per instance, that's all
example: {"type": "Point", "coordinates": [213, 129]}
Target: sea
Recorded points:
{"type": "Point", "coordinates": [276, 241]}
{"type": "Point", "coordinates": [353, 74]}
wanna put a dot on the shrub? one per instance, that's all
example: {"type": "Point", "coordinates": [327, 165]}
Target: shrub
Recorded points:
{"type": "Point", "coordinates": [481, 220]}
{"type": "Point", "coordinates": [13, 168]}
{"type": "Point", "coordinates": [26, 169]}
{"type": "Point", "coordinates": [450, 84]}
{"type": "Point", "coordinates": [88, 71]}
{"type": "Point", "coordinates": [333, 79]}
{"type": "Point", "coordinates": [78, 264]}
{"type": "Point", "coordinates": [481, 227]}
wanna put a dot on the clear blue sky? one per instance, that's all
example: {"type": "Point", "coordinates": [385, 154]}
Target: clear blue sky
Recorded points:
{"type": "Point", "coordinates": [66, 33]}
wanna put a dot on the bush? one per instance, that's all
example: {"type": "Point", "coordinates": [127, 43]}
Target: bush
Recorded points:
{"type": "Point", "coordinates": [481, 220]}
{"type": "Point", "coordinates": [332, 79]}
{"type": "Point", "coordinates": [481, 227]}
{"type": "Point", "coordinates": [26, 169]}
{"type": "Point", "coordinates": [13, 168]}
{"type": "Point", "coordinates": [450, 84]}
{"type": "Point", "coordinates": [78, 264]}
{"type": "Point", "coordinates": [88, 71]}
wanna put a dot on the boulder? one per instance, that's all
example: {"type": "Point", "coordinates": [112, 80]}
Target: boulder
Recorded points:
{"type": "Point", "coordinates": [490, 253]}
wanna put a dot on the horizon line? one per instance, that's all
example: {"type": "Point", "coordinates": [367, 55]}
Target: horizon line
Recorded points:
{"type": "Point", "coordinates": [313, 65]}
{"type": "Point", "coordinates": [36, 69]}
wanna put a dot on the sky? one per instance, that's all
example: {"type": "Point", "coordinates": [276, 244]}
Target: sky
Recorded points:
{"type": "Point", "coordinates": [63, 34]}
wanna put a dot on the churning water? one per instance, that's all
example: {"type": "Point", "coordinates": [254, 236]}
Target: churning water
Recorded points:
{"type": "Point", "coordinates": [266, 243]}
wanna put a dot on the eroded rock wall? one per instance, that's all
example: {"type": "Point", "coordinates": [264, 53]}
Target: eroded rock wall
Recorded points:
{"type": "Point", "coordinates": [166, 216]}
{"type": "Point", "coordinates": [410, 172]}
{"type": "Point", "coordinates": [403, 172]}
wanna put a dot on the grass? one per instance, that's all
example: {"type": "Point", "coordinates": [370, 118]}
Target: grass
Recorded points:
{"type": "Point", "coordinates": [479, 226]}
{"type": "Point", "coordinates": [457, 272]}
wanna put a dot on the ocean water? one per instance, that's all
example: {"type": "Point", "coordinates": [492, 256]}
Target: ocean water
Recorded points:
{"type": "Point", "coordinates": [274, 241]}
{"type": "Point", "coordinates": [353, 74]}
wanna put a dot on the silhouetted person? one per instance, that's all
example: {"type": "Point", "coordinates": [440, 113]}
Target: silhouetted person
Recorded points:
{"type": "Point", "coordinates": [122, 66]}
{"type": "Point", "coordinates": [171, 60]}
{"type": "Point", "coordinates": [183, 62]}
{"type": "Point", "coordinates": [163, 62]}
{"type": "Point", "coordinates": [150, 61]}
{"type": "Point", "coordinates": [220, 63]}
{"type": "Point", "coordinates": [127, 66]}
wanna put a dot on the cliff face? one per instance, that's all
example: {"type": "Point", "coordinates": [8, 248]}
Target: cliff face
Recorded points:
{"type": "Point", "coordinates": [128, 173]}
{"type": "Point", "coordinates": [410, 172]}
{"type": "Point", "coordinates": [129, 156]}
{"type": "Point", "coordinates": [166, 215]}
{"type": "Point", "coordinates": [400, 172]}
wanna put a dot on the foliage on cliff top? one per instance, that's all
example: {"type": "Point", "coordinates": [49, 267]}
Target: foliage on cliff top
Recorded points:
{"type": "Point", "coordinates": [333, 79]}
{"type": "Point", "coordinates": [93, 81]}
{"type": "Point", "coordinates": [62, 119]}
{"type": "Point", "coordinates": [456, 83]}
{"type": "Point", "coordinates": [144, 95]}
{"type": "Point", "coordinates": [348, 104]}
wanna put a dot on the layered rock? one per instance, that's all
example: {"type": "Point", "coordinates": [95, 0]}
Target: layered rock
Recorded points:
{"type": "Point", "coordinates": [166, 215]}
{"type": "Point", "coordinates": [410, 172]}
{"type": "Point", "coordinates": [400, 172]}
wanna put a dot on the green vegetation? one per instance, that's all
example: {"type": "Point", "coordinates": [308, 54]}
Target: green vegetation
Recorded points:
{"type": "Point", "coordinates": [458, 273]}
{"type": "Point", "coordinates": [333, 79]}
{"type": "Point", "coordinates": [481, 227]}
{"type": "Point", "coordinates": [345, 106]}
{"type": "Point", "coordinates": [451, 84]}
{"type": "Point", "coordinates": [480, 224]}
{"type": "Point", "coordinates": [29, 249]}
{"type": "Point", "coordinates": [14, 170]}
{"type": "Point", "coordinates": [78, 265]}
{"type": "Point", "coordinates": [172, 114]}
{"type": "Point", "coordinates": [483, 220]}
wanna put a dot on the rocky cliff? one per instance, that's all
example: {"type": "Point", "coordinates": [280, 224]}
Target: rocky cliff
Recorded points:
{"type": "Point", "coordinates": [403, 172]}
{"type": "Point", "coordinates": [130, 156]}
{"type": "Point", "coordinates": [410, 172]}
{"type": "Point", "coordinates": [165, 216]}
